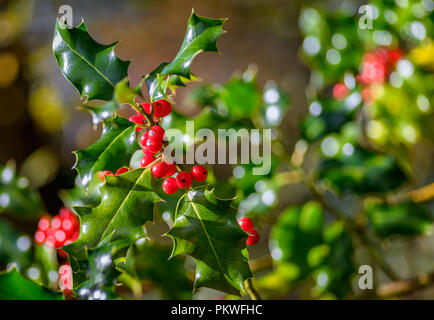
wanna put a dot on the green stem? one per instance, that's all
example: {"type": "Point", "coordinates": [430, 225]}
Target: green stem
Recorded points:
{"type": "Point", "coordinates": [254, 295]}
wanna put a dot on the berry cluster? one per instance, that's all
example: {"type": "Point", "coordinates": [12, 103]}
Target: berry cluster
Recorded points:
{"type": "Point", "coordinates": [247, 225]}
{"type": "Point", "coordinates": [376, 66]}
{"type": "Point", "coordinates": [152, 142]}
{"type": "Point", "coordinates": [58, 231]}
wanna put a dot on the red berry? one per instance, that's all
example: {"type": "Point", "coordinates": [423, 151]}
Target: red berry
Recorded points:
{"type": "Point", "coordinates": [153, 145]}
{"type": "Point", "coordinates": [65, 213]}
{"type": "Point", "coordinates": [159, 170]}
{"type": "Point", "coordinates": [146, 160]}
{"type": "Point", "coordinates": [137, 119]}
{"type": "Point", "coordinates": [39, 237]}
{"type": "Point", "coordinates": [121, 170]}
{"type": "Point", "coordinates": [144, 138]}
{"type": "Point", "coordinates": [65, 277]}
{"type": "Point", "coordinates": [199, 173]}
{"type": "Point", "coordinates": [56, 222]}
{"type": "Point", "coordinates": [184, 180]}
{"type": "Point", "coordinates": [147, 107]}
{"type": "Point", "coordinates": [340, 91]}
{"type": "Point", "coordinates": [171, 169]}
{"type": "Point", "coordinates": [67, 226]}
{"type": "Point", "coordinates": [253, 237]}
{"type": "Point", "coordinates": [162, 108]}
{"type": "Point", "coordinates": [44, 223]}
{"type": "Point", "coordinates": [156, 133]}
{"type": "Point", "coordinates": [170, 185]}
{"type": "Point", "coordinates": [246, 224]}
{"type": "Point", "coordinates": [60, 237]}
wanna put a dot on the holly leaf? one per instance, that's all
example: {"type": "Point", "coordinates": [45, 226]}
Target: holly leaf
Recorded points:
{"type": "Point", "coordinates": [201, 36]}
{"type": "Point", "coordinates": [16, 196]}
{"type": "Point", "coordinates": [13, 286]}
{"type": "Point", "coordinates": [127, 203]}
{"type": "Point", "coordinates": [206, 229]}
{"type": "Point", "coordinates": [102, 112]}
{"type": "Point", "coordinates": [100, 270]}
{"type": "Point", "coordinates": [93, 68]}
{"type": "Point", "coordinates": [112, 151]}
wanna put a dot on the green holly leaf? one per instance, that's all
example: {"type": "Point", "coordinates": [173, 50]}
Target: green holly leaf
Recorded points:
{"type": "Point", "coordinates": [91, 67]}
{"type": "Point", "coordinates": [16, 196]}
{"type": "Point", "coordinates": [103, 112]}
{"type": "Point", "coordinates": [408, 219]}
{"type": "Point", "coordinates": [127, 203]}
{"type": "Point", "coordinates": [201, 36]}
{"type": "Point", "coordinates": [206, 229]}
{"type": "Point", "coordinates": [99, 269]}
{"type": "Point", "coordinates": [111, 152]}
{"type": "Point", "coordinates": [13, 286]}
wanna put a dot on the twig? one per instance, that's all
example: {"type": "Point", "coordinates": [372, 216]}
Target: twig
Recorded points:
{"type": "Point", "coordinates": [254, 295]}
{"type": "Point", "coordinates": [356, 232]}
{"type": "Point", "coordinates": [399, 287]}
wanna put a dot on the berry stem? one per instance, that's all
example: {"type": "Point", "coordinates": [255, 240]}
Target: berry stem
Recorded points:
{"type": "Point", "coordinates": [140, 110]}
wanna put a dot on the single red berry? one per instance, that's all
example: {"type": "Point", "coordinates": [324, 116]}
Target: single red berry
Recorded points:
{"type": "Point", "coordinates": [39, 237]}
{"type": "Point", "coordinates": [340, 91]}
{"type": "Point", "coordinates": [184, 180]}
{"type": "Point", "coordinates": [137, 119]}
{"type": "Point", "coordinates": [65, 213]}
{"type": "Point", "coordinates": [170, 185]}
{"type": "Point", "coordinates": [147, 107]}
{"type": "Point", "coordinates": [199, 173]}
{"type": "Point", "coordinates": [159, 170]}
{"type": "Point", "coordinates": [171, 169]}
{"type": "Point", "coordinates": [153, 145]}
{"type": "Point", "coordinates": [394, 55]}
{"type": "Point", "coordinates": [146, 160]}
{"type": "Point", "coordinates": [253, 237]}
{"type": "Point", "coordinates": [246, 224]}
{"type": "Point", "coordinates": [156, 133]}
{"type": "Point", "coordinates": [60, 237]}
{"type": "Point", "coordinates": [144, 138]}
{"type": "Point", "coordinates": [68, 226]}
{"type": "Point", "coordinates": [65, 277]}
{"type": "Point", "coordinates": [44, 223]}
{"type": "Point", "coordinates": [56, 222]}
{"type": "Point", "coordinates": [121, 170]}
{"type": "Point", "coordinates": [162, 108]}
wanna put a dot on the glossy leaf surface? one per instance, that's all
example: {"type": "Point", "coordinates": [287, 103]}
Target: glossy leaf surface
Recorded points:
{"type": "Point", "coordinates": [206, 229]}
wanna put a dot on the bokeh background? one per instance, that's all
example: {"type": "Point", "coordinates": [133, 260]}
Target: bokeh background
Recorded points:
{"type": "Point", "coordinates": [39, 109]}
{"type": "Point", "coordinates": [40, 120]}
